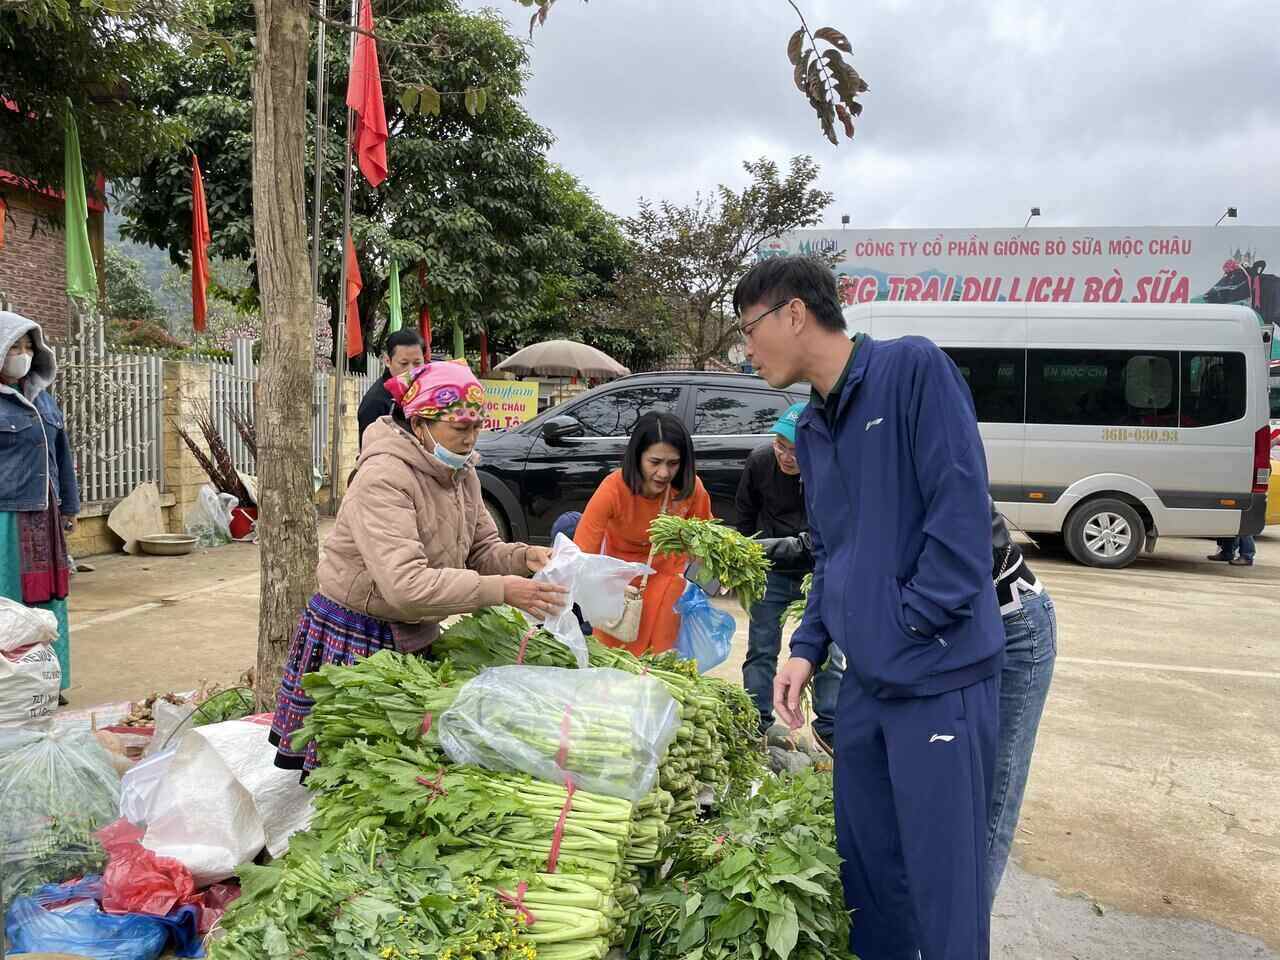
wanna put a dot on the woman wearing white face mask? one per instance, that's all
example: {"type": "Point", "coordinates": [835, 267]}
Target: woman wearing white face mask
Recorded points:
{"type": "Point", "coordinates": [413, 544]}
{"type": "Point", "coordinates": [38, 491]}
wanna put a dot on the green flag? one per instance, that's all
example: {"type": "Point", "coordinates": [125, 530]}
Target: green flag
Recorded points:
{"type": "Point", "coordinates": [396, 320]}
{"type": "Point", "coordinates": [82, 279]}
{"type": "Point", "coordinates": [459, 345]}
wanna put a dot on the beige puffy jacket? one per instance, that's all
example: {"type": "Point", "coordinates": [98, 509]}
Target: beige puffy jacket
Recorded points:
{"type": "Point", "coordinates": [413, 541]}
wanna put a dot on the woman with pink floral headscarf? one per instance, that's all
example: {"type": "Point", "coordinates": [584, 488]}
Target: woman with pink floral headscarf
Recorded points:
{"type": "Point", "coordinates": [412, 545]}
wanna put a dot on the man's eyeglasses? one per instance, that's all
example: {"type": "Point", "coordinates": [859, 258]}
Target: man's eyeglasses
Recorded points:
{"type": "Point", "coordinates": [784, 450]}
{"type": "Point", "coordinates": [746, 328]}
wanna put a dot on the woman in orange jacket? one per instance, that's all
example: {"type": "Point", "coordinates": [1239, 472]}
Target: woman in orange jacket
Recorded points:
{"type": "Point", "coordinates": [657, 476]}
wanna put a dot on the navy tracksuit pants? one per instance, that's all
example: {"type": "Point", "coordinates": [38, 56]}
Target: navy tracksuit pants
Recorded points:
{"type": "Point", "coordinates": [912, 784]}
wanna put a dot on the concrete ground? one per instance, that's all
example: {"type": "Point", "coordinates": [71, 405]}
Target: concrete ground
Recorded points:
{"type": "Point", "coordinates": [1149, 828]}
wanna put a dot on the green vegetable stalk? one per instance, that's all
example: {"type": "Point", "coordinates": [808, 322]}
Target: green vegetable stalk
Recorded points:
{"type": "Point", "coordinates": [738, 562]}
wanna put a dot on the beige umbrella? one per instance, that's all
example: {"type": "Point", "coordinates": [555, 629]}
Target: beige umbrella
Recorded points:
{"type": "Point", "coordinates": [563, 358]}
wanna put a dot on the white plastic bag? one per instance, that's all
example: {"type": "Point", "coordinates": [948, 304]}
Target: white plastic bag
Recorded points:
{"type": "Point", "coordinates": [22, 626]}
{"type": "Point", "coordinates": [223, 799]}
{"type": "Point", "coordinates": [606, 729]}
{"type": "Point", "coordinates": [212, 519]}
{"type": "Point", "coordinates": [596, 584]}
{"type": "Point", "coordinates": [140, 786]}
{"type": "Point", "coordinates": [57, 787]}
{"type": "Point", "coordinates": [29, 682]}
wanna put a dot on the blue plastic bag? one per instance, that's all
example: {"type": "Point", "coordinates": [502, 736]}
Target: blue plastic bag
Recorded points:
{"type": "Point", "coordinates": [83, 929]}
{"type": "Point", "coordinates": [706, 634]}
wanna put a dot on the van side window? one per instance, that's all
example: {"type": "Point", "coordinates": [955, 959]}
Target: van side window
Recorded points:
{"type": "Point", "coordinates": [996, 378]}
{"type": "Point", "coordinates": [1213, 388]}
{"type": "Point", "coordinates": [1122, 388]}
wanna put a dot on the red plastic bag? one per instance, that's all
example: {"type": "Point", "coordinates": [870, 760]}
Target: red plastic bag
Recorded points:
{"type": "Point", "coordinates": [137, 880]}
{"type": "Point", "coordinates": [213, 902]}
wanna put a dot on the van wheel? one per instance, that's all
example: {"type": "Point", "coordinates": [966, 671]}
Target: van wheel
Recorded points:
{"type": "Point", "coordinates": [499, 519]}
{"type": "Point", "coordinates": [1105, 533]}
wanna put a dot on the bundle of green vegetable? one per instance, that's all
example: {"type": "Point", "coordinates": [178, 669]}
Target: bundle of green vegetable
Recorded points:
{"type": "Point", "coordinates": [571, 853]}
{"type": "Point", "coordinates": [761, 882]}
{"type": "Point", "coordinates": [795, 610]}
{"type": "Point", "coordinates": [737, 562]}
{"type": "Point", "coordinates": [368, 895]}
{"type": "Point", "coordinates": [57, 787]}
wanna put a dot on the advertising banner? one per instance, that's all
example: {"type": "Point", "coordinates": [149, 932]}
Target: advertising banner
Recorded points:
{"type": "Point", "coordinates": [509, 403]}
{"type": "Point", "coordinates": [1041, 265]}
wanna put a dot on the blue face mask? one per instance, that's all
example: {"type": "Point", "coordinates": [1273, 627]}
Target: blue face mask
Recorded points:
{"type": "Point", "coordinates": [454, 461]}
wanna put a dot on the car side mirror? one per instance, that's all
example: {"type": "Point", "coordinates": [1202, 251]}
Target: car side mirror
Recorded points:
{"type": "Point", "coordinates": [559, 429]}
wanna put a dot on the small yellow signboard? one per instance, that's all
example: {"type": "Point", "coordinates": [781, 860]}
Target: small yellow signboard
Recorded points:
{"type": "Point", "coordinates": [509, 403]}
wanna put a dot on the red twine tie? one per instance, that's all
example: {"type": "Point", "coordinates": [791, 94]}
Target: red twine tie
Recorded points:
{"type": "Point", "coordinates": [436, 786]}
{"type": "Point", "coordinates": [426, 723]}
{"type": "Point", "coordinates": [563, 755]}
{"type": "Point", "coordinates": [517, 903]}
{"type": "Point", "coordinates": [524, 643]}
{"type": "Point", "coordinates": [553, 857]}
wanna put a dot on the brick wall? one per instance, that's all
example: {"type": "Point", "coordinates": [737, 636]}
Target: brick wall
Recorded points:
{"type": "Point", "coordinates": [33, 271]}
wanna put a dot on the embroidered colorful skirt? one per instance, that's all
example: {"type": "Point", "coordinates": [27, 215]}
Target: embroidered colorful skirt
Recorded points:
{"type": "Point", "coordinates": [11, 588]}
{"type": "Point", "coordinates": [327, 633]}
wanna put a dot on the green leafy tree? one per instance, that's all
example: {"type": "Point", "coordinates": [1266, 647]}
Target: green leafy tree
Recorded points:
{"type": "Point", "coordinates": [106, 56]}
{"type": "Point", "coordinates": [686, 260]}
{"type": "Point", "coordinates": [470, 193]}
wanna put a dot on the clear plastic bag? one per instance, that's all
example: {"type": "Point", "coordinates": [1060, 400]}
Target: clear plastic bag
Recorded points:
{"type": "Point", "coordinates": [22, 626]}
{"type": "Point", "coordinates": [606, 729]}
{"type": "Point", "coordinates": [212, 518]}
{"type": "Point", "coordinates": [57, 787]}
{"type": "Point", "coordinates": [706, 634]}
{"type": "Point", "coordinates": [596, 584]}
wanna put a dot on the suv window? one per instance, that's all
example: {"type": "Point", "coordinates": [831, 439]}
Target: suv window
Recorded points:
{"type": "Point", "coordinates": [615, 413]}
{"type": "Point", "coordinates": [996, 380]}
{"type": "Point", "coordinates": [1213, 388]}
{"type": "Point", "coordinates": [724, 413]}
{"type": "Point", "coordinates": [1125, 388]}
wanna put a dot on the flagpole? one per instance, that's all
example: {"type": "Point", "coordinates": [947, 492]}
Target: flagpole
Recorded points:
{"type": "Point", "coordinates": [322, 73]}
{"type": "Point", "coordinates": [340, 337]}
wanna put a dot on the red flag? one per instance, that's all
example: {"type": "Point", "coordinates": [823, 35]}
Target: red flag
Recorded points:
{"type": "Point", "coordinates": [484, 353]}
{"type": "Point", "coordinates": [199, 249]}
{"type": "Point", "coordinates": [424, 319]}
{"type": "Point", "coordinates": [364, 96]}
{"type": "Point", "coordinates": [355, 342]}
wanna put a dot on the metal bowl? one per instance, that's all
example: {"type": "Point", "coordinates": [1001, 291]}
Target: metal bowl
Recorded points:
{"type": "Point", "coordinates": [167, 544]}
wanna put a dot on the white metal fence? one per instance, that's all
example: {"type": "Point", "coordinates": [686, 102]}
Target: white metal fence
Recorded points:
{"type": "Point", "coordinates": [114, 405]}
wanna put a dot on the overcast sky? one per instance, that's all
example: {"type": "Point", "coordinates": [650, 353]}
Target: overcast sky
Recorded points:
{"type": "Point", "coordinates": [1101, 112]}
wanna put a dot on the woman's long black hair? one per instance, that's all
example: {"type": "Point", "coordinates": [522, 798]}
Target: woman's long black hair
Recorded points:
{"type": "Point", "coordinates": [660, 428]}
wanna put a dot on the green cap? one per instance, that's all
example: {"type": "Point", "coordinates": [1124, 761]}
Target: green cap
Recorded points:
{"type": "Point", "coordinates": [786, 425]}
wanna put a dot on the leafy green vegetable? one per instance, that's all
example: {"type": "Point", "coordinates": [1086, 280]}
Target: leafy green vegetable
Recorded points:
{"type": "Point", "coordinates": [738, 562]}
{"type": "Point", "coordinates": [795, 610]}
{"type": "Point", "coordinates": [761, 882]}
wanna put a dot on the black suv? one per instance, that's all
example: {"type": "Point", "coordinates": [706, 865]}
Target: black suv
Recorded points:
{"type": "Point", "coordinates": [554, 463]}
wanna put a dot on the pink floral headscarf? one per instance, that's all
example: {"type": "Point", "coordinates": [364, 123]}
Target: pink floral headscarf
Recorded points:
{"type": "Point", "coordinates": [441, 390]}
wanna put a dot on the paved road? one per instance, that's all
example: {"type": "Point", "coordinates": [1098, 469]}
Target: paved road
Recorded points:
{"type": "Point", "coordinates": [1156, 779]}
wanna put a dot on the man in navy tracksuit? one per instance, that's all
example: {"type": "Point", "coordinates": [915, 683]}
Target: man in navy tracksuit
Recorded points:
{"type": "Point", "coordinates": [896, 487]}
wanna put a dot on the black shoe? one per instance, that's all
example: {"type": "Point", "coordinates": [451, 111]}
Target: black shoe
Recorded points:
{"type": "Point", "coordinates": [1223, 557]}
{"type": "Point", "coordinates": [1241, 561]}
{"type": "Point", "coordinates": [824, 744]}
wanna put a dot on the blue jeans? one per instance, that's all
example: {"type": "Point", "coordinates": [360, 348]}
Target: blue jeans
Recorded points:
{"type": "Point", "coordinates": [764, 643]}
{"type": "Point", "coordinates": [1031, 644]}
{"type": "Point", "coordinates": [1229, 546]}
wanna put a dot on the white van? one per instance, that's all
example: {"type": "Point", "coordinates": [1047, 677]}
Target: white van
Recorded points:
{"type": "Point", "coordinates": [1109, 424]}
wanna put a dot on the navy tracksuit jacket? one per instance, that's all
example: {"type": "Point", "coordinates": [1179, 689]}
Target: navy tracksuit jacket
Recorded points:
{"type": "Point", "coordinates": [901, 528]}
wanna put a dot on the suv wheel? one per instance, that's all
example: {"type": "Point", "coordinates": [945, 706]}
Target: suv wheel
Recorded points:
{"type": "Point", "coordinates": [1105, 533]}
{"type": "Point", "coordinates": [499, 519]}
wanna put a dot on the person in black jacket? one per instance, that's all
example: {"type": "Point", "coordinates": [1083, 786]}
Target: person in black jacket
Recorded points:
{"type": "Point", "coordinates": [770, 503]}
{"type": "Point", "coordinates": [404, 351]}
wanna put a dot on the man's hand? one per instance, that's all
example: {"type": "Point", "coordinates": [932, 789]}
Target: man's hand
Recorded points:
{"type": "Point", "coordinates": [537, 558]}
{"type": "Point", "coordinates": [788, 685]}
{"type": "Point", "coordinates": [539, 600]}
{"type": "Point", "coordinates": [71, 524]}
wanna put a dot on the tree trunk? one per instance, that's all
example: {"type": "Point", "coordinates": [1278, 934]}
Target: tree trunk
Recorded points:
{"type": "Point", "coordinates": [287, 523]}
